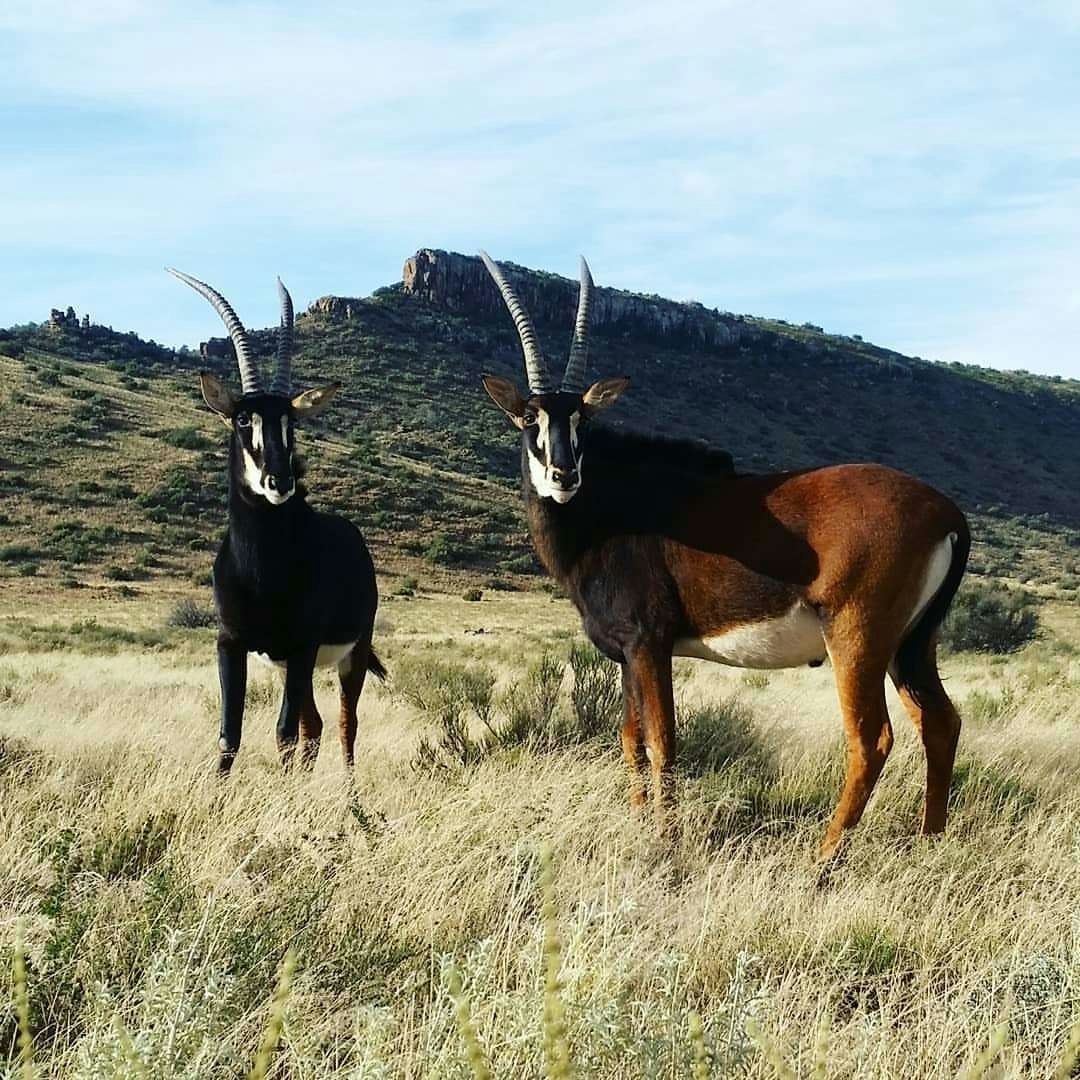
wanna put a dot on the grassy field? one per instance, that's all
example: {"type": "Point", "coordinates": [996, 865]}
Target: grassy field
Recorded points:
{"type": "Point", "coordinates": [157, 904]}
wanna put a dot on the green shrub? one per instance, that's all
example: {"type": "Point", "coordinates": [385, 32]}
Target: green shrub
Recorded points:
{"type": "Point", "coordinates": [596, 695]}
{"type": "Point", "coordinates": [530, 712]}
{"type": "Point", "coordinates": [88, 635]}
{"type": "Point", "coordinates": [529, 704]}
{"type": "Point", "coordinates": [992, 619]}
{"type": "Point", "coordinates": [983, 707]}
{"type": "Point", "coordinates": [437, 687]}
{"type": "Point", "coordinates": [120, 573]}
{"type": "Point", "coordinates": [187, 438]}
{"type": "Point", "coordinates": [522, 564]}
{"type": "Point", "coordinates": [449, 693]}
{"type": "Point", "coordinates": [188, 615]}
{"type": "Point", "coordinates": [472, 595]}
{"type": "Point", "coordinates": [442, 550]}
{"type": "Point", "coordinates": [18, 552]}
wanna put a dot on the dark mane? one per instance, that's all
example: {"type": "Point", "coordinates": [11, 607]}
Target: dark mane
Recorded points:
{"type": "Point", "coordinates": [634, 448]}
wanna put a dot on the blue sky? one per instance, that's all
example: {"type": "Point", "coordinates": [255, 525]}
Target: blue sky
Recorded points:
{"type": "Point", "coordinates": [906, 171]}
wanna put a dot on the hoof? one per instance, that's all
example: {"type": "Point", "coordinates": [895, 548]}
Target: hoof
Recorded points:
{"type": "Point", "coordinates": [309, 753]}
{"type": "Point", "coordinates": [830, 859]}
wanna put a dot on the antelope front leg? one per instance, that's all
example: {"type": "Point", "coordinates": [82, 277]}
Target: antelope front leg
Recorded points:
{"type": "Point", "coordinates": [232, 674]}
{"type": "Point", "coordinates": [633, 744]}
{"type": "Point", "coordinates": [651, 675]}
{"type": "Point", "coordinates": [298, 691]}
{"type": "Point", "coordinates": [311, 726]}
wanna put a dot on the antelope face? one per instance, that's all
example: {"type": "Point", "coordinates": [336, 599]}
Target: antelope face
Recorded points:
{"type": "Point", "coordinates": [263, 430]}
{"type": "Point", "coordinates": [552, 430]}
{"type": "Point", "coordinates": [552, 421]}
{"type": "Point", "coordinates": [263, 435]}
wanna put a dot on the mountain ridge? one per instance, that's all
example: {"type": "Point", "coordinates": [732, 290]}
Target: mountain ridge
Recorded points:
{"type": "Point", "coordinates": [416, 450]}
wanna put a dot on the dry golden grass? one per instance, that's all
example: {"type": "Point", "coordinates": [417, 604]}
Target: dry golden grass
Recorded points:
{"type": "Point", "coordinates": [158, 904]}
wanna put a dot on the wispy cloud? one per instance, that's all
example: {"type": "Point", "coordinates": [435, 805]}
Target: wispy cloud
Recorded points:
{"type": "Point", "coordinates": [904, 171]}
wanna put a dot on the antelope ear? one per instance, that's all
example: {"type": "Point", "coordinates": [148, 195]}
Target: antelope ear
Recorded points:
{"type": "Point", "coordinates": [604, 393]}
{"type": "Point", "coordinates": [217, 395]}
{"type": "Point", "coordinates": [312, 402]}
{"type": "Point", "coordinates": [504, 393]}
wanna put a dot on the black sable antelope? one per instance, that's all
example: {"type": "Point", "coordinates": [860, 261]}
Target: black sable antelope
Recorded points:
{"type": "Point", "coordinates": [294, 586]}
{"type": "Point", "coordinates": [670, 553]}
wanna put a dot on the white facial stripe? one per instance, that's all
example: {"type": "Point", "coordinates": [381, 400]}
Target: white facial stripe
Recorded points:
{"type": "Point", "coordinates": [543, 431]}
{"type": "Point", "coordinates": [285, 431]}
{"type": "Point", "coordinates": [538, 474]}
{"type": "Point", "coordinates": [545, 487]}
{"type": "Point", "coordinates": [253, 477]}
{"type": "Point", "coordinates": [252, 473]}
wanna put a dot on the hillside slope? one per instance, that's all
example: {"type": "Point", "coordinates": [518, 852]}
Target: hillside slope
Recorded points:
{"type": "Point", "coordinates": [106, 431]}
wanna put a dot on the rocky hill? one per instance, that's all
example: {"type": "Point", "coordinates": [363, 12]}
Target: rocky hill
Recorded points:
{"type": "Point", "coordinates": [416, 451]}
{"type": "Point", "coordinates": [776, 395]}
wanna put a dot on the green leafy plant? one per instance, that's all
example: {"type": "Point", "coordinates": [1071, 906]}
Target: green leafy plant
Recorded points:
{"type": "Point", "coordinates": [991, 619]}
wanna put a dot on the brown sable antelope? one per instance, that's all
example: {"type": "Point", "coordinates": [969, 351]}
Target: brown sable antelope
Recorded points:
{"type": "Point", "coordinates": [667, 552]}
{"type": "Point", "coordinates": [293, 586]}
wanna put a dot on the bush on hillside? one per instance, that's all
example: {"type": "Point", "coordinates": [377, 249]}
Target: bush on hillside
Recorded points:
{"type": "Point", "coordinates": [990, 619]}
{"type": "Point", "coordinates": [187, 438]}
{"type": "Point", "coordinates": [188, 615]}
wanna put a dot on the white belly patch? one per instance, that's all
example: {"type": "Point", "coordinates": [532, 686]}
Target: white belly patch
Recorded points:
{"type": "Point", "coordinates": [327, 656]}
{"type": "Point", "coordinates": [789, 640]}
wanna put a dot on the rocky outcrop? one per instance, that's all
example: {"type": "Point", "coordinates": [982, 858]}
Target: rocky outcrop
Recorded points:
{"type": "Point", "coordinates": [336, 307]}
{"type": "Point", "coordinates": [67, 320]}
{"type": "Point", "coordinates": [460, 283]}
{"type": "Point", "coordinates": [217, 348]}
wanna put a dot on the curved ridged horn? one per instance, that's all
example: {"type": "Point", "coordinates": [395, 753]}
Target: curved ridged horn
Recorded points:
{"type": "Point", "coordinates": [535, 368]}
{"type": "Point", "coordinates": [249, 373]}
{"type": "Point", "coordinates": [573, 380]}
{"type": "Point", "coordinates": [280, 384]}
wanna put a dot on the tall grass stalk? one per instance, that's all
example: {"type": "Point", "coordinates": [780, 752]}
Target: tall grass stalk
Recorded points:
{"type": "Point", "coordinates": [983, 1062]}
{"type": "Point", "coordinates": [131, 1056]}
{"type": "Point", "coordinates": [771, 1049]}
{"type": "Point", "coordinates": [22, 1006]}
{"type": "Point", "coordinates": [821, 1049]}
{"type": "Point", "coordinates": [1070, 1056]}
{"type": "Point", "coordinates": [697, 1042]}
{"type": "Point", "coordinates": [556, 1050]}
{"type": "Point", "coordinates": [272, 1034]}
{"type": "Point", "coordinates": [477, 1058]}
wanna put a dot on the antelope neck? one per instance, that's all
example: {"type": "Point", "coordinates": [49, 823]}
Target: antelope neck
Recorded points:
{"type": "Point", "coordinates": [263, 537]}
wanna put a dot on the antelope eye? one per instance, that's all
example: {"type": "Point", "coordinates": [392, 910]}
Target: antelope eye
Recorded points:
{"type": "Point", "coordinates": [529, 418]}
{"type": "Point", "coordinates": [243, 419]}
